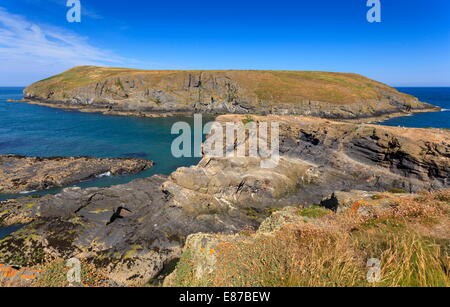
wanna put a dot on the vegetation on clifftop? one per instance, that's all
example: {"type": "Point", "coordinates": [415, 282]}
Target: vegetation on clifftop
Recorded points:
{"type": "Point", "coordinates": [279, 86]}
{"type": "Point", "coordinates": [410, 240]}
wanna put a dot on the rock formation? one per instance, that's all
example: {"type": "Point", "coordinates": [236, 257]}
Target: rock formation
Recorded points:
{"type": "Point", "coordinates": [20, 174]}
{"type": "Point", "coordinates": [221, 195]}
{"type": "Point", "coordinates": [140, 92]}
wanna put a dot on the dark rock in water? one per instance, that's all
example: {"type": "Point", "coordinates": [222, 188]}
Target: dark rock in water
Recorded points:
{"type": "Point", "coordinates": [9, 144]}
{"type": "Point", "coordinates": [137, 155]}
{"type": "Point", "coordinates": [17, 100]}
{"type": "Point", "coordinates": [26, 174]}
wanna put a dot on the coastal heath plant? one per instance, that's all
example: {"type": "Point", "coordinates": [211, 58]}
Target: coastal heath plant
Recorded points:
{"type": "Point", "coordinates": [304, 256]}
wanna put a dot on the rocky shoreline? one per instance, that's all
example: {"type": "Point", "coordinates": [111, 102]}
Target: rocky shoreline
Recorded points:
{"type": "Point", "coordinates": [19, 174]}
{"type": "Point", "coordinates": [158, 114]}
{"type": "Point", "coordinates": [103, 110]}
{"type": "Point", "coordinates": [319, 157]}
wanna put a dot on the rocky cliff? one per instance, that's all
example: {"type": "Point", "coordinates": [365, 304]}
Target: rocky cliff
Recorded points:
{"type": "Point", "coordinates": [139, 92]}
{"type": "Point", "coordinates": [20, 174]}
{"type": "Point", "coordinates": [318, 157]}
{"type": "Point", "coordinates": [221, 195]}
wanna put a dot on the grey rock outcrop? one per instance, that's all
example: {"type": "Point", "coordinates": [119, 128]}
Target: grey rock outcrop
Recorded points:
{"type": "Point", "coordinates": [20, 174]}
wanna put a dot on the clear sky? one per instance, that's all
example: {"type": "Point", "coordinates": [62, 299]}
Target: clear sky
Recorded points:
{"type": "Point", "coordinates": [410, 47]}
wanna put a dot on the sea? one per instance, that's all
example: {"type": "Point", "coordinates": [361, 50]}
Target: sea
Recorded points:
{"type": "Point", "coordinates": [32, 130]}
{"type": "Point", "coordinates": [438, 96]}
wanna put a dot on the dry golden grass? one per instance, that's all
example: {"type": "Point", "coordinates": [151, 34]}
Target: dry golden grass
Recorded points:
{"type": "Point", "coordinates": [268, 86]}
{"type": "Point", "coordinates": [411, 238]}
{"type": "Point", "coordinates": [407, 258]}
{"type": "Point", "coordinates": [306, 256]}
{"type": "Point", "coordinates": [335, 250]}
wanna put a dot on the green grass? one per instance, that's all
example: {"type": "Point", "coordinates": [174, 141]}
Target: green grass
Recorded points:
{"type": "Point", "coordinates": [397, 191]}
{"type": "Point", "coordinates": [301, 258]}
{"type": "Point", "coordinates": [119, 84]}
{"type": "Point", "coordinates": [248, 119]}
{"type": "Point", "coordinates": [442, 197]}
{"type": "Point", "coordinates": [259, 214]}
{"type": "Point", "coordinates": [314, 212]}
{"type": "Point", "coordinates": [184, 274]}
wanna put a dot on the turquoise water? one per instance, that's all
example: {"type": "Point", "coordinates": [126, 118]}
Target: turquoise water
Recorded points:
{"type": "Point", "coordinates": [438, 96]}
{"type": "Point", "coordinates": [32, 130]}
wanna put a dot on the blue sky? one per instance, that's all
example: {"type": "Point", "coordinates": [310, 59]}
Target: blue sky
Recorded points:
{"type": "Point", "coordinates": [410, 47]}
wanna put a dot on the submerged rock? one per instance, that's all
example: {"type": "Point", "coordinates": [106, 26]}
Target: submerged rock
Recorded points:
{"type": "Point", "coordinates": [20, 174]}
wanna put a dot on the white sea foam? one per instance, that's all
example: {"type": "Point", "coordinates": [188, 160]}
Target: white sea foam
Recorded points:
{"type": "Point", "coordinates": [28, 192]}
{"type": "Point", "coordinates": [107, 174]}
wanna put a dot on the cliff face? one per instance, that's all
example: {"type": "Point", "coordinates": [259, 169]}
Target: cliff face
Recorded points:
{"type": "Point", "coordinates": [317, 157]}
{"type": "Point", "coordinates": [323, 94]}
